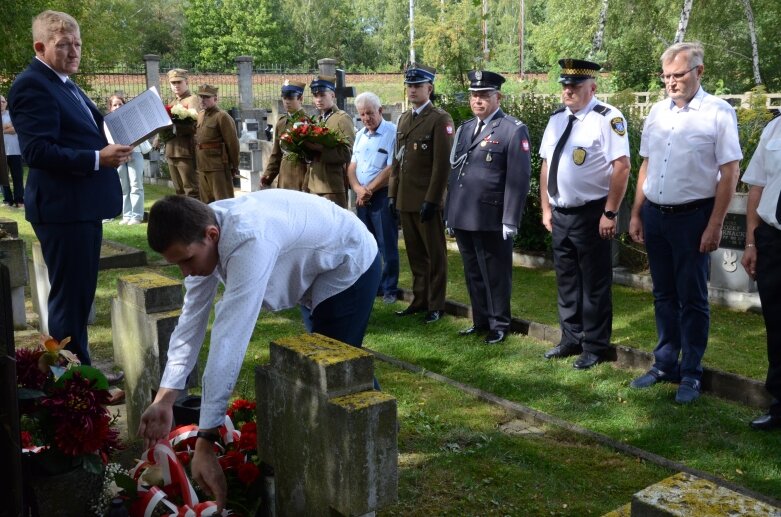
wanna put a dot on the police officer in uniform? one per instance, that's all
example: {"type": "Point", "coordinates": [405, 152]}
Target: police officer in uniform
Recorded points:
{"type": "Point", "coordinates": [762, 257]}
{"type": "Point", "coordinates": [180, 150]}
{"type": "Point", "coordinates": [417, 190]}
{"type": "Point", "coordinates": [489, 181]}
{"type": "Point", "coordinates": [328, 170]}
{"type": "Point", "coordinates": [289, 174]}
{"type": "Point", "coordinates": [217, 148]}
{"type": "Point", "coordinates": [585, 168]}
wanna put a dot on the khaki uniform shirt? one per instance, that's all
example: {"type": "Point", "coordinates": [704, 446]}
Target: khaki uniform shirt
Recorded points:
{"type": "Point", "coordinates": [217, 144]}
{"type": "Point", "coordinates": [181, 146]}
{"type": "Point", "coordinates": [422, 162]}
{"type": "Point", "coordinates": [292, 175]}
{"type": "Point", "coordinates": [327, 174]}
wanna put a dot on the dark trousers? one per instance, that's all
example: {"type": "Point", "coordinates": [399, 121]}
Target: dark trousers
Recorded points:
{"type": "Point", "coordinates": [488, 269]}
{"type": "Point", "coordinates": [71, 252]}
{"type": "Point", "coordinates": [383, 225]}
{"type": "Point", "coordinates": [680, 277]}
{"type": "Point", "coordinates": [17, 180]}
{"type": "Point", "coordinates": [345, 316]}
{"type": "Point", "coordinates": [768, 241]}
{"type": "Point", "coordinates": [584, 276]}
{"type": "Point", "coordinates": [427, 257]}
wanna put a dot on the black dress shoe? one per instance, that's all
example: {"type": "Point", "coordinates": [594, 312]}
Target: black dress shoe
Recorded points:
{"type": "Point", "coordinates": [408, 311]}
{"type": "Point", "coordinates": [563, 350]}
{"type": "Point", "coordinates": [474, 329]}
{"type": "Point", "coordinates": [766, 422]}
{"type": "Point", "coordinates": [586, 360]}
{"type": "Point", "coordinates": [494, 337]}
{"type": "Point", "coordinates": [433, 316]}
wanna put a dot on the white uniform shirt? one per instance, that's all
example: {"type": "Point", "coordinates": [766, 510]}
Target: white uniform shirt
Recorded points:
{"type": "Point", "coordinates": [765, 171]}
{"type": "Point", "coordinates": [586, 163]}
{"type": "Point", "coordinates": [277, 248]}
{"type": "Point", "coordinates": [373, 152]}
{"type": "Point", "coordinates": [685, 148]}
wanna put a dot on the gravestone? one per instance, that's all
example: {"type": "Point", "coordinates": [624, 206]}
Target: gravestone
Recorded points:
{"type": "Point", "coordinates": [328, 435]}
{"type": "Point", "coordinates": [143, 316]}
{"type": "Point", "coordinates": [725, 269]}
{"type": "Point", "coordinates": [10, 440]}
{"type": "Point", "coordinates": [13, 254]}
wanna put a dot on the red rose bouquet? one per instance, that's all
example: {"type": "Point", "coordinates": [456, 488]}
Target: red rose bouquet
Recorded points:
{"type": "Point", "coordinates": [303, 130]}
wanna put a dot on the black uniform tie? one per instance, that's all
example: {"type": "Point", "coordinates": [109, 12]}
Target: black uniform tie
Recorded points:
{"type": "Point", "coordinates": [553, 187]}
{"type": "Point", "coordinates": [479, 129]}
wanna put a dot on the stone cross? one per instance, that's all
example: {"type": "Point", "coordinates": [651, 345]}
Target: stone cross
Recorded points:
{"type": "Point", "coordinates": [328, 435]}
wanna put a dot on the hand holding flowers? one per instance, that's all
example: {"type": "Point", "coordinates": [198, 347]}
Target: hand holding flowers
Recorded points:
{"type": "Point", "coordinates": [306, 139]}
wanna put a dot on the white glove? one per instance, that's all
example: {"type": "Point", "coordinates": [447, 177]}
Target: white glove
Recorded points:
{"type": "Point", "coordinates": [509, 231]}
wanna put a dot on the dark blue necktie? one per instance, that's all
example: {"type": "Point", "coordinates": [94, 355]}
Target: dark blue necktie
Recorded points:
{"type": "Point", "coordinates": [75, 91]}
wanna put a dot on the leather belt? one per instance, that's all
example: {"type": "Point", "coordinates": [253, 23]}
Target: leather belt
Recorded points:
{"type": "Point", "coordinates": [589, 205]}
{"type": "Point", "coordinates": [682, 208]}
{"type": "Point", "coordinates": [210, 145]}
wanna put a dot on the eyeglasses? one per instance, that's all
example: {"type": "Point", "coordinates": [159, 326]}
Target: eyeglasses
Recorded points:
{"type": "Point", "coordinates": [678, 76]}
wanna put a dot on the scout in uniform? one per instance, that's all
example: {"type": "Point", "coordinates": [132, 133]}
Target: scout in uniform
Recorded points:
{"type": "Point", "coordinates": [585, 168]}
{"type": "Point", "coordinates": [217, 148]}
{"type": "Point", "coordinates": [328, 170]}
{"type": "Point", "coordinates": [289, 174]}
{"type": "Point", "coordinates": [489, 181]}
{"type": "Point", "coordinates": [180, 150]}
{"type": "Point", "coordinates": [417, 191]}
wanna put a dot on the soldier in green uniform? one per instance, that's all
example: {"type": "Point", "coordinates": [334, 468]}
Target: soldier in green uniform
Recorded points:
{"type": "Point", "coordinates": [328, 170]}
{"type": "Point", "coordinates": [180, 150]}
{"type": "Point", "coordinates": [417, 190]}
{"type": "Point", "coordinates": [217, 148]}
{"type": "Point", "coordinates": [289, 174]}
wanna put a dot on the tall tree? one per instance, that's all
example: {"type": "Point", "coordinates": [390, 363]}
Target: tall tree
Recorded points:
{"type": "Point", "coordinates": [683, 21]}
{"type": "Point", "coordinates": [752, 30]}
{"type": "Point", "coordinates": [599, 35]}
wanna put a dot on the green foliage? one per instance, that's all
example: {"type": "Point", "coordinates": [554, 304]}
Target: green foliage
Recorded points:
{"type": "Point", "coordinates": [751, 121]}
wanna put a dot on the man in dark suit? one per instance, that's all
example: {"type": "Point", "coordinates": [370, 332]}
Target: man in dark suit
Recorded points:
{"type": "Point", "coordinates": [489, 181]}
{"type": "Point", "coordinates": [72, 183]}
{"type": "Point", "coordinates": [417, 190]}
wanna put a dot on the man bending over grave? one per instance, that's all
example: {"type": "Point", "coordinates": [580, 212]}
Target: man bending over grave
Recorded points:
{"type": "Point", "coordinates": [271, 249]}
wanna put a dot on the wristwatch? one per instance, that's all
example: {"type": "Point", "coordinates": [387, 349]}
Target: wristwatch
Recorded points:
{"type": "Point", "coordinates": [208, 435]}
{"type": "Point", "coordinates": [610, 214]}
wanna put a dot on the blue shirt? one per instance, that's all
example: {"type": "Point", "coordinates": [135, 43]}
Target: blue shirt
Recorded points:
{"type": "Point", "coordinates": [372, 152]}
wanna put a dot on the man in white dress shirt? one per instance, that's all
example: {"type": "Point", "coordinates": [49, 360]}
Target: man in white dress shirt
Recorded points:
{"type": "Point", "coordinates": [271, 250]}
{"type": "Point", "coordinates": [690, 153]}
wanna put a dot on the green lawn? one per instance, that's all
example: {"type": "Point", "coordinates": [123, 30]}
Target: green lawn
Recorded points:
{"type": "Point", "coordinates": [455, 460]}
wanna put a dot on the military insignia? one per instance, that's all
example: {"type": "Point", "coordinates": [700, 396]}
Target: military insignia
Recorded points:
{"type": "Point", "coordinates": [415, 146]}
{"type": "Point", "coordinates": [579, 155]}
{"type": "Point", "coordinates": [479, 75]}
{"type": "Point", "coordinates": [488, 157]}
{"type": "Point", "coordinates": [449, 129]}
{"type": "Point", "coordinates": [619, 126]}
{"type": "Point", "coordinates": [423, 146]}
{"type": "Point", "coordinates": [483, 143]}
{"type": "Point", "coordinates": [286, 83]}
{"type": "Point", "coordinates": [525, 145]}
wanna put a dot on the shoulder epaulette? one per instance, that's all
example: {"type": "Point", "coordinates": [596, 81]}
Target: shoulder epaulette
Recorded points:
{"type": "Point", "coordinates": [602, 109]}
{"type": "Point", "coordinates": [559, 110]}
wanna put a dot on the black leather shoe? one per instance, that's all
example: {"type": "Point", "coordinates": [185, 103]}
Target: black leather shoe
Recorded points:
{"type": "Point", "coordinates": [115, 378]}
{"type": "Point", "coordinates": [766, 422]}
{"type": "Point", "coordinates": [495, 337]}
{"type": "Point", "coordinates": [561, 350]}
{"type": "Point", "coordinates": [586, 360]}
{"type": "Point", "coordinates": [433, 316]}
{"type": "Point", "coordinates": [408, 311]}
{"type": "Point", "coordinates": [474, 329]}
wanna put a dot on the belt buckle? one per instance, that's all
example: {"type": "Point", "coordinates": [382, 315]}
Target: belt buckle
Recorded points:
{"type": "Point", "coordinates": [667, 209]}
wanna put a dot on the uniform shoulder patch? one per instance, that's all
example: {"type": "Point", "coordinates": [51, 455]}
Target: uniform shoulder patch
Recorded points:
{"type": "Point", "coordinates": [602, 109]}
{"type": "Point", "coordinates": [618, 125]}
{"type": "Point", "coordinates": [559, 110]}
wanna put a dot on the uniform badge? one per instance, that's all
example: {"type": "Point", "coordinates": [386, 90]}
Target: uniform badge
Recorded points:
{"type": "Point", "coordinates": [449, 129]}
{"type": "Point", "coordinates": [423, 146]}
{"type": "Point", "coordinates": [488, 157]}
{"type": "Point", "coordinates": [525, 145]}
{"type": "Point", "coordinates": [483, 143]}
{"type": "Point", "coordinates": [619, 126]}
{"type": "Point", "coordinates": [479, 75]}
{"type": "Point", "coordinates": [286, 83]}
{"type": "Point", "coordinates": [415, 146]}
{"type": "Point", "coordinates": [579, 155]}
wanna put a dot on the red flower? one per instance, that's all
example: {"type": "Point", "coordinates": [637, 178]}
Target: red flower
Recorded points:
{"type": "Point", "coordinates": [28, 375]}
{"type": "Point", "coordinates": [249, 437]}
{"type": "Point", "coordinates": [27, 440]}
{"type": "Point", "coordinates": [231, 460]}
{"type": "Point", "coordinates": [248, 473]}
